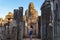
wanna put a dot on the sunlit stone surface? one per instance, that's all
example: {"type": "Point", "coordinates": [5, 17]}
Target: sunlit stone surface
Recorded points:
{"type": "Point", "coordinates": [31, 19]}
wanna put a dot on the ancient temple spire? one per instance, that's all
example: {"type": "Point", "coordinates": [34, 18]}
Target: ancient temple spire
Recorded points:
{"type": "Point", "coordinates": [31, 5]}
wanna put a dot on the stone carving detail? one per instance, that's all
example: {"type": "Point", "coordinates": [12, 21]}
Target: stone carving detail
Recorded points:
{"type": "Point", "coordinates": [31, 13]}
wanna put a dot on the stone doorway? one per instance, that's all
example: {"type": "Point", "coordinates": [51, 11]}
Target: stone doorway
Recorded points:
{"type": "Point", "coordinates": [35, 30]}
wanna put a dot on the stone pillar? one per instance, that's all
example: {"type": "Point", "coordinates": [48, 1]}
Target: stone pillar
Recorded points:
{"type": "Point", "coordinates": [21, 31]}
{"type": "Point", "coordinates": [14, 30]}
{"type": "Point", "coordinates": [37, 28]}
{"type": "Point", "coordinates": [4, 33]}
{"type": "Point", "coordinates": [18, 16]}
{"type": "Point", "coordinates": [57, 20]}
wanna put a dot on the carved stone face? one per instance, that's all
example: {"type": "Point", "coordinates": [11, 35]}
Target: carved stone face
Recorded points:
{"type": "Point", "coordinates": [31, 6]}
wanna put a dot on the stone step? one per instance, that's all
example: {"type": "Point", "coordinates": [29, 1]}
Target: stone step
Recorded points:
{"type": "Point", "coordinates": [32, 39]}
{"type": "Point", "coordinates": [33, 36]}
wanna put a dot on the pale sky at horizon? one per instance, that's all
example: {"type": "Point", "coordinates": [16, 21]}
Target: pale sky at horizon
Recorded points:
{"type": "Point", "coordinates": [9, 5]}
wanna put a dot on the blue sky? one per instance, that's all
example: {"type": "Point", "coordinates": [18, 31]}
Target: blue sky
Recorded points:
{"type": "Point", "coordinates": [9, 5]}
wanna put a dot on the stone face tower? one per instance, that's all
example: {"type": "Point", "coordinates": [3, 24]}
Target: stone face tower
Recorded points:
{"type": "Point", "coordinates": [18, 16]}
{"type": "Point", "coordinates": [46, 20]}
{"type": "Point", "coordinates": [50, 22]}
{"type": "Point", "coordinates": [32, 19]}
